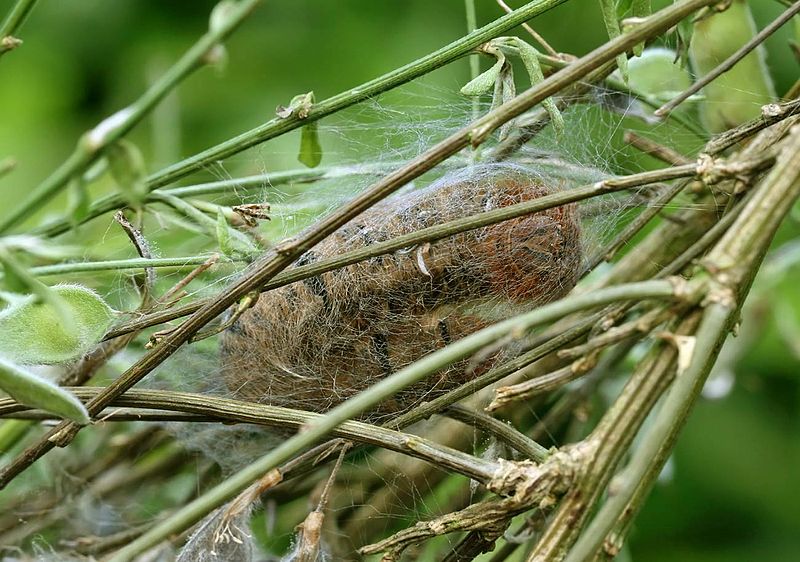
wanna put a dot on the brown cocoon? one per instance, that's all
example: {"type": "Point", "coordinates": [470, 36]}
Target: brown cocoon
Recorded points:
{"type": "Point", "coordinates": [315, 343]}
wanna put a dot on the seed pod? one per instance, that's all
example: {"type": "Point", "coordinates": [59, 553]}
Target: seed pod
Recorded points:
{"type": "Point", "coordinates": [315, 343]}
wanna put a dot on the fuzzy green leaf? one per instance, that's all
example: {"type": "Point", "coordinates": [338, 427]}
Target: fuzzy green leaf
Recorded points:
{"type": "Point", "coordinates": [310, 154]}
{"type": "Point", "coordinates": [34, 391]}
{"type": "Point", "coordinates": [530, 59]}
{"type": "Point", "coordinates": [232, 243]}
{"type": "Point", "coordinates": [224, 238]}
{"type": "Point", "coordinates": [484, 82]}
{"type": "Point", "coordinates": [33, 332]}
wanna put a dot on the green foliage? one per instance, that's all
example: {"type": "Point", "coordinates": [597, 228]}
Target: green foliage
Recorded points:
{"type": "Point", "coordinates": [530, 58]}
{"type": "Point", "coordinates": [34, 331]}
{"type": "Point", "coordinates": [32, 390]}
{"type": "Point", "coordinates": [737, 95]}
{"type": "Point", "coordinates": [657, 74]}
{"type": "Point", "coordinates": [484, 82]}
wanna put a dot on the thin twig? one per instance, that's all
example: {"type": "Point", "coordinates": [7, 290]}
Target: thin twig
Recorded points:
{"type": "Point", "coordinates": [504, 432]}
{"type": "Point", "coordinates": [529, 29]}
{"type": "Point", "coordinates": [770, 114]}
{"type": "Point", "coordinates": [230, 410]}
{"type": "Point", "coordinates": [655, 149]}
{"type": "Point", "coordinates": [120, 265]}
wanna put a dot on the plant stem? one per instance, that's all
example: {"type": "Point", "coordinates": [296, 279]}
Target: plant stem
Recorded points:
{"type": "Point", "coordinates": [114, 265]}
{"type": "Point", "coordinates": [501, 430]}
{"type": "Point", "coordinates": [770, 114]}
{"type": "Point", "coordinates": [372, 396]}
{"type": "Point", "coordinates": [474, 59]}
{"type": "Point", "coordinates": [429, 234]}
{"type": "Point", "coordinates": [115, 200]}
{"type": "Point", "coordinates": [419, 67]}
{"type": "Point", "coordinates": [14, 21]}
{"type": "Point", "coordinates": [649, 457]}
{"type": "Point", "coordinates": [93, 143]}
{"type": "Point", "coordinates": [228, 410]}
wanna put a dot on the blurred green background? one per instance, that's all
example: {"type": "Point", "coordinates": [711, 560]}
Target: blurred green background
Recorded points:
{"type": "Point", "coordinates": [732, 490]}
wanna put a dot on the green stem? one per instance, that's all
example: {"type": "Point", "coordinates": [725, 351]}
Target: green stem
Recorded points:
{"type": "Point", "coordinates": [92, 144]}
{"type": "Point", "coordinates": [111, 265]}
{"type": "Point", "coordinates": [343, 100]}
{"type": "Point", "coordinates": [228, 410]}
{"type": "Point", "coordinates": [474, 59]}
{"type": "Point", "coordinates": [499, 429]}
{"type": "Point", "coordinates": [115, 200]}
{"type": "Point", "coordinates": [419, 67]}
{"type": "Point", "coordinates": [316, 430]}
{"type": "Point", "coordinates": [13, 21]}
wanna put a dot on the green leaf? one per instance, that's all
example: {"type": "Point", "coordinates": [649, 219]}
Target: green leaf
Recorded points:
{"type": "Point", "coordinates": [310, 153]}
{"type": "Point", "coordinates": [233, 243]}
{"type": "Point", "coordinates": [33, 332]}
{"type": "Point", "coordinates": [484, 83]}
{"type": "Point", "coordinates": [655, 73]}
{"type": "Point", "coordinates": [685, 30]}
{"type": "Point", "coordinates": [19, 280]}
{"type": "Point", "coordinates": [32, 390]}
{"type": "Point", "coordinates": [224, 235]}
{"type": "Point", "coordinates": [128, 170]}
{"type": "Point", "coordinates": [737, 95]}
{"type": "Point", "coordinates": [641, 8]}
{"type": "Point", "coordinates": [530, 59]}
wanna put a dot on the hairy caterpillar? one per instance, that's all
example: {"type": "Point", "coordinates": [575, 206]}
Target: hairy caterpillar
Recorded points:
{"type": "Point", "coordinates": [315, 343]}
